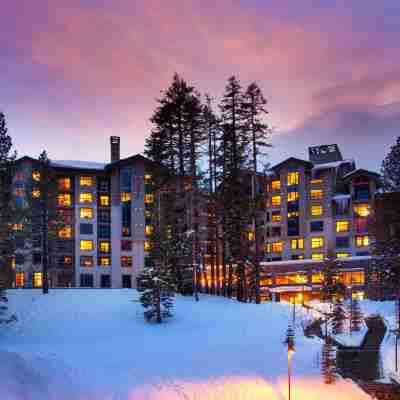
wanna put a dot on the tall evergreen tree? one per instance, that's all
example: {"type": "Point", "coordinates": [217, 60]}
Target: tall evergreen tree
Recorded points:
{"type": "Point", "coordinates": [328, 362]}
{"type": "Point", "coordinates": [356, 316]}
{"type": "Point", "coordinates": [43, 220]}
{"type": "Point", "coordinates": [257, 133]}
{"type": "Point", "coordinates": [331, 287]}
{"type": "Point", "coordinates": [7, 216]}
{"type": "Point", "coordinates": [338, 318]}
{"type": "Point", "coordinates": [391, 168]}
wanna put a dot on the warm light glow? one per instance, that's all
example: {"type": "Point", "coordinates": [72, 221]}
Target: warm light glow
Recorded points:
{"type": "Point", "coordinates": [126, 261]}
{"type": "Point", "coordinates": [250, 236]}
{"type": "Point", "coordinates": [343, 255]}
{"type": "Point", "coordinates": [147, 245]}
{"type": "Point", "coordinates": [317, 256]}
{"type": "Point", "coordinates": [35, 193]}
{"type": "Point", "coordinates": [86, 197]}
{"type": "Point", "coordinates": [276, 216]}
{"type": "Point", "coordinates": [126, 196]}
{"type": "Point", "coordinates": [342, 226]}
{"type": "Point", "coordinates": [276, 185]}
{"type": "Point", "coordinates": [275, 201]}
{"type": "Point", "coordinates": [36, 176]}
{"type": "Point", "coordinates": [104, 200]}
{"type": "Point", "coordinates": [362, 241]}
{"type": "Point", "coordinates": [65, 232]}
{"type": "Point", "coordinates": [316, 194]}
{"type": "Point", "coordinates": [316, 181]}
{"type": "Point", "coordinates": [104, 246]}
{"type": "Point", "coordinates": [64, 183]}
{"type": "Point", "coordinates": [362, 210]}
{"type": "Point", "coordinates": [297, 244]}
{"type": "Point", "coordinates": [277, 247]}
{"type": "Point", "coordinates": [292, 196]}
{"type": "Point", "coordinates": [86, 245]}
{"type": "Point", "coordinates": [104, 261]}
{"type": "Point", "coordinates": [86, 181]}
{"type": "Point", "coordinates": [37, 280]}
{"type": "Point", "coordinates": [293, 178]}
{"type": "Point", "coordinates": [317, 242]}
{"type": "Point", "coordinates": [86, 213]}
{"type": "Point", "coordinates": [19, 279]}
{"type": "Point", "coordinates": [18, 227]}
{"type": "Point", "coordinates": [64, 199]}
{"type": "Point", "coordinates": [147, 179]}
{"type": "Point", "coordinates": [317, 210]}
{"type": "Point", "coordinates": [149, 229]}
{"type": "Point", "coordinates": [149, 198]}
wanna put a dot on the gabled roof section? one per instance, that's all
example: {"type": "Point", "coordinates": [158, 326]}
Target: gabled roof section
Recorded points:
{"type": "Point", "coordinates": [25, 158]}
{"type": "Point", "coordinates": [290, 160]}
{"type": "Point", "coordinates": [75, 164]}
{"type": "Point", "coordinates": [357, 172]}
{"type": "Point", "coordinates": [130, 160]}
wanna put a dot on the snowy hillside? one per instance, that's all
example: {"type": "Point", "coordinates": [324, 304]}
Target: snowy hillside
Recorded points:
{"type": "Point", "coordinates": [94, 344]}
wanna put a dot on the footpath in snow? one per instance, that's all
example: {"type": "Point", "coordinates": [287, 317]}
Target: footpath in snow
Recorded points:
{"type": "Point", "coordinates": [95, 345]}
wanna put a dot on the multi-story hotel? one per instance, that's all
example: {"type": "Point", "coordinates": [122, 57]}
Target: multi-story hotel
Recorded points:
{"type": "Point", "coordinates": [317, 208]}
{"type": "Point", "coordinates": [103, 242]}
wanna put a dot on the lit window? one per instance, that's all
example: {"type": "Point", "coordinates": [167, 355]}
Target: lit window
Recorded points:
{"type": "Point", "coordinates": [276, 247]}
{"type": "Point", "coordinates": [316, 194]}
{"type": "Point", "coordinates": [276, 216]}
{"type": "Point", "coordinates": [37, 279]}
{"type": "Point", "coordinates": [64, 199]}
{"type": "Point", "coordinates": [13, 262]}
{"type": "Point", "coordinates": [268, 248]}
{"type": "Point", "coordinates": [149, 229]}
{"type": "Point", "coordinates": [36, 176]}
{"type": "Point", "coordinates": [293, 214]}
{"type": "Point", "coordinates": [317, 256]}
{"type": "Point", "coordinates": [67, 260]}
{"type": "Point", "coordinates": [126, 261]}
{"type": "Point", "coordinates": [149, 198]}
{"type": "Point", "coordinates": [104, 246]}
{"type": "Point", "coordinates": [293, 178]}
{"type": "Point", "coordinates": [86, 245]}
{"type": "Point", "coordinates": [292, 196]}
{"type": "Point", "coordinates": [317, 211]}
{"type": "Point", "coordinates": [65, 232]}
{"type": "Point", "coordinates": [352, 277]}
{"type": "Point", "coordinates": [342, 226]}
{"type": "Point", "coordinates": [147, 213]}
{"type": "Point", "coordinates": [126, 196]}
{"type": "Point", "coordinates": [362, 240]}
{"type": "Point", "coordinates": [343, 255]}
{"type": "Point", "coordinates": [317, 242]}
{"type": "Point", "coordinates": [85, 197]}
{"type": "Point", "coordinates": [35, 193]}
{"type": "Point", "coordinates": [86, 261]}
{"type": "Point", "coordinates": [148, 178]}
{"type": "Point", "coordinates": [104, 261]}
{"type": "Point", "coordinates": [250, 236]}
{"type": "Point", "coordinates": [86, 181]}
{"type": "Point", "coordinates": [276, 185]}
{"type": "Point", "coordinates": [86, 213]}
{"type": "Point", "coordinates": [64, 183]}
{"type": "Point", "coordinates": [147, 245]}
{"type": "Point", "coordinates": [275, 201]}
{"type": "Point", "coordinates": [19, 279]}
{"type": "Point", "coordinates": [104, 200]}
{"type": "Point", "coordinates": [18, 227]}
{"type": "Point", "coordinates": [362, 210]}
{"type": "Point", "coordinates": [316, 181]}
{"type": "Point", "coordinates": [317, 278]}
{"type": "Point", "coordinates": [297, 244]}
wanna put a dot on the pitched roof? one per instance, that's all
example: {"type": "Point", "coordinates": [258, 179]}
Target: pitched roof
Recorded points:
{"type": "Point", "coordinates": [360, 171]}
{"type": "Point", "coordinates": [294, 160]}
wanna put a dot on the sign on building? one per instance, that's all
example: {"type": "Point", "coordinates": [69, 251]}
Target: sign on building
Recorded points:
{"type": "Point", "coordinates": [324, 154]}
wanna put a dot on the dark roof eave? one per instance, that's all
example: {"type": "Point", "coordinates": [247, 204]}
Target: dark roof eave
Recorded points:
{"type": "Point", "coordinates": [279, 166]}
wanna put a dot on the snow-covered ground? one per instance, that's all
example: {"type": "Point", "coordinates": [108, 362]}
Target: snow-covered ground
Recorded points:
{"type": "Point", "coordinates": [95, 345]}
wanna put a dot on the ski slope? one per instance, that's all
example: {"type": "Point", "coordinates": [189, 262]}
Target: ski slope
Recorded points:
{"type": "Point", "coordinates": [92, 344]}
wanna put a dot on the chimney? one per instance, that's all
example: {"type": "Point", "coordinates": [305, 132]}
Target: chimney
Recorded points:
{"type": "Point", "coordinates": [115, 151]}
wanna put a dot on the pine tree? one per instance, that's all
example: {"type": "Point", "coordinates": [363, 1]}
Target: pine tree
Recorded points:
{"type": "Point", "coordinates": [7, 216]}
{"type": "Point", "coordinates": [331, 287]}
{"type": "Point", "coordinates": [156, 281]}
{"type": "Point", "coordinates": [356, 316]}
{"type": "Point", "coordinates": [328, 362]}
{"type": "Point", "coordinates": [391, 168]}
{"type": "Point", "coordinates": [338, 318]}
{"type": "Point", "coordinates": [42, 218]}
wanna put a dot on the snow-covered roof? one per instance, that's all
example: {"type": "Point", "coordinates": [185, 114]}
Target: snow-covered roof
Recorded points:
{"type": "Point", "coordinates": [334, 164]}
{"type": "Point", "coordinates": [341, 196]}
{"type": "Point", "coordinates": [78, 164]}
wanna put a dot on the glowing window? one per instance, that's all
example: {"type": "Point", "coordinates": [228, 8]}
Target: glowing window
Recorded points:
{"type": "Point", "coordinates": [293, 178]}
{"type": "Point", "coordinates": [126, 196]}
{"type": "Point", "coordinates": [86, 213]}
{"type": "Point", "coordinates": [149, 229]}
{"type": "Point", "coordinates": [86, 261]}
{"type": "Point", "coordinates": [275, 216]}
{"type": "Point", "coordinates": [147, 213]}
{"type": "Point", "coordinates": [316, 194]}
{"type": "Point", "coordinates": [67, 260]}
{"type": "Point", "coordinates": [342, 226]}
{"type": "Point", "coordinates": [86, 181]}
{"type": "Point", "coordinates": [35, 193]}
{"type": "Point", "coordinates": [362, 210]}
{"type": "Point", "coordinates": [65, 232]}
{"type": "Point", "coordinates": [292, 196]}
{"type": "Point", "coordinates": [86, 197]}
{"type": "Point", "coordinates": [13, 262]}
{"type": "Point", "coordinates": [36, 176]}
{"type": "Point", "coordinates": [352, 277]}
{"type": "Point", "coordinates": [147, 245]}
{"type": "Point", "coordinates": [293, 214]}
{"type": "Point", "coordinates": [317, 278]}
{"type": "Point", "coordinates": [37, 279]}
{"type": "Point", "coordinates": [316, 181]}
{"type": "Point", "coordinates": [317, 242]}
{"type": "Point", "coordinates": [148, 178]}
{"type": "Point", "coordinates": [149, 198]}
{"type": "Point", "coordinates": [268, 248]}
{"type": "Point", "coordinates": [64, 199]}
{"type": "Point", "coordinates": [86, 245]}
{"type": "Point", "coordinates": [362, 240]}
{"type": "Point", "coordinates": [19, 279]}
{"type": "Point", "coordinates": [297, 244]}
{"type": "Point", "coordinates": [126, 261]}
{"type": "Point", "coordinates": [317, 211]}
{"type": "Point", "coordinates": [104, 261]}
{"type": "Point", "coordinates": [275, 201]}
{"type": "Point", "coordinates": [104, 246]}
{"type": "Point", "coordinates": [104, 200]}
{"type": "Point", "coordinates": [343, 255]}
{"type": "Point", "coordinates": [276, 185]}
{"type": "Point", "coordinates": [18, 227]}
{"type": "Point", "coordinates": [64, 183]}
{"type": "Point", "coordinates": [250, 236]}
{"type": "Point", "coordinates": [317, 256]}
{"type": "Point", "coordinates": [277, 247]}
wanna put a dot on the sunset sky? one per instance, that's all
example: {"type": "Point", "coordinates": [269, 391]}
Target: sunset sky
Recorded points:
{"type": "Point", "coordinates": [75, 72]}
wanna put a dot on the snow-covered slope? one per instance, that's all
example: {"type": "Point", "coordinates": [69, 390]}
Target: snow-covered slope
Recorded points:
{"type": "Point", "coordinates": [94, 344]}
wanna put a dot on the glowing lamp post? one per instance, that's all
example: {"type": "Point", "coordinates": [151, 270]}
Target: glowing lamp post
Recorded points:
{"type": "Point", "coordinates": [290, 354]}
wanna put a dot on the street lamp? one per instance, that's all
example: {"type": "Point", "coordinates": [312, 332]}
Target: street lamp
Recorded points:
{"type": "Point", "coordinates": [290, 353]}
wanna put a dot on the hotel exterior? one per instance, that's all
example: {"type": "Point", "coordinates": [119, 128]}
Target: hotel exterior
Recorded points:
{"type": "Point", "coordinates": [315, 208]}
{"type": "Point", "coordinates": [103, 242]}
